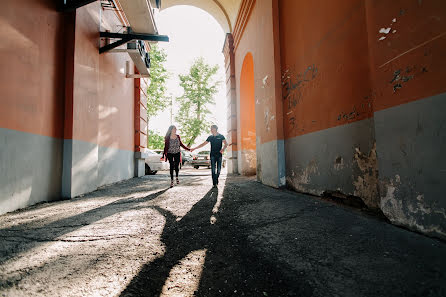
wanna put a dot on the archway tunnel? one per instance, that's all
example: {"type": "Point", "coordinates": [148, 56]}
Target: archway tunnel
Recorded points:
{"type": "Point", "coordinates": [321, 103]}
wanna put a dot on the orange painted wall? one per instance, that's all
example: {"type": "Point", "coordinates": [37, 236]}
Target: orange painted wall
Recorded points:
{"type": "Point", "coordinates": [259, 40]}
{"type": "Point", "coordinates": [247, 105]}
{"type": "Point", "coordinates": [336, 70]}
{"type": "Point", "coordinates": [38, 65]}
{"type": "Point", "coordinates": [410, 63]}
{"type": "Point", "coordinates": [325, 64]}
{"type": "Point", "coordinates": [32, 67]}
{"type": "Point", "coordinates": [102, 97]}
{"type": "Point", "coordinates": [86, 74]}
{"type": "Point", "coordinates": [116, 102]}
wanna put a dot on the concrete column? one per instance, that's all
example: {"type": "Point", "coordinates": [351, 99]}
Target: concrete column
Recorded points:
{"type": "Point", "coordinates": [140, 164]}
{"type": "Point", "coordinates": [231, 95]}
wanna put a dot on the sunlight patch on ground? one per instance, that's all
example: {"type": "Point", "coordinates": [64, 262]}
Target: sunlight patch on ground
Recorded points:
{"type": "Point", "coordinates": [219, 199]}
{"type": "Point", "coordinates": [184, 278]}
{"type": "Point", "coordinates": [217, 205]}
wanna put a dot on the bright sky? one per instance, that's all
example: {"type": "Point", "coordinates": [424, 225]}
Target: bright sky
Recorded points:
{"type": "Point", "coordinates": [192, 33]}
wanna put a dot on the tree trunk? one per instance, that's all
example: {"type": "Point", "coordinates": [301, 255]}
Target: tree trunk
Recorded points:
{"type": "Point", "coordinates": [198, 118]}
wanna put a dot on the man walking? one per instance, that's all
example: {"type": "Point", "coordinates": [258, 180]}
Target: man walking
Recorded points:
{"type": "Point", "coordinates": [217, 140]}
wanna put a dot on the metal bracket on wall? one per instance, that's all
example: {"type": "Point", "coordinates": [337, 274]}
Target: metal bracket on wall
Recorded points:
{"type": "Point", "coordinates": [71, 5]}
{"type": "Point", "coordinates": [127, 37]}
{"type": "Point", "coordinates": [136, 49]}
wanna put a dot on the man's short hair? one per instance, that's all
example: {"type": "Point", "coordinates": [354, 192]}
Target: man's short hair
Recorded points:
{"type": "Point", "coordinates": [214, 126]}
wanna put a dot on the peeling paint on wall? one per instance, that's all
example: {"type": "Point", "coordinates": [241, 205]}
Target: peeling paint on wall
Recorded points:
{"type": "Point", "coordinates": [265, 81]}
{"type": "Point", "coordinates": [386, 30]}
{"type": "Point", "coordinates": [266, 119]}
{"type": "Point", "coordinates": [339, 163]}
{"type": "Point", "coordinates": [300, 178]}
{"type": "Point", "coordinates": [365, 107]}
{"type": "Point", "coordinates": [402, 76]}
{"type": "Point", "coordinates": [249, 162]}
{"type": "Point", "coordinates": [294, 85]}
{"type": "Point", "coordinates": [412, 215]}
{"type": "Point", "coordinates": [282, 180]}
{"type": "Point", "coordinates": [366, 184]}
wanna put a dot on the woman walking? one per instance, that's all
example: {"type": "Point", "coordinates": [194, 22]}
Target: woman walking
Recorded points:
{"type": "Point", "coordinates": [172, 151]}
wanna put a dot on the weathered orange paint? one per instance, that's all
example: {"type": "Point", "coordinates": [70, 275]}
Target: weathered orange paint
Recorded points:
{"type": "Point", "coordinates": [409, 64]}
{"type": "Point", "coordinates": [258, 39]}
{"type": "Point", "coordinates": [325, 64]}
{"type": "Point", "coordinates": [32, 67]}
{"type": "Point", "coordinates": [247, 105]}
{"type": "Point", "coordinates": [336, 70]}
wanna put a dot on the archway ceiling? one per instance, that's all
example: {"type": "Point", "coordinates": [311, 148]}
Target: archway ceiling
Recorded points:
{"type": "Point", "coordinates": [224, 11]}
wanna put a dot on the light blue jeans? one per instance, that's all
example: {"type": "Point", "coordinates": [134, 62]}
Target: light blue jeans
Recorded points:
{"type": "Point", "coordinates": [215, 168]}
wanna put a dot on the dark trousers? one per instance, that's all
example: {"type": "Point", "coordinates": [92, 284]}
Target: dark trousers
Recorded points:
{"type": "Point", "coordinates": [215, 168]}
{"type": "Point", "coordinates": [174, 161]}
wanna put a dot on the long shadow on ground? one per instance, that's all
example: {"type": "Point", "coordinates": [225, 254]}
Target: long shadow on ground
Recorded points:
{"type": "Point", "coordinates": [232, 266]}
{"type": "Point", "coordinates": [267, 242]}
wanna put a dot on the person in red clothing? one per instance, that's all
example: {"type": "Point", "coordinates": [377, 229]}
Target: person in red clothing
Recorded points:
{"type": "Point", "coordinates": [172, 151]}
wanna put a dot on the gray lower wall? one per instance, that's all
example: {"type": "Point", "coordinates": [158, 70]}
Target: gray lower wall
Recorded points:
{"type": "Point", "coordinates": [30, 169]}
{"type": "Point", "coordinates": [33, 168]}
{"type": "Point", "coordinates": [411, 145]}
{"type": "Point", "coordinates": [80, 168]}
{"type": "Point", "coordinates": [232, 161]}
{"type": "Point", "coordinates": [88, 166]}
{"type": "Point", "coordinates": [394, 162]}
{"type": "Point", "coordinates": [271, 163]}
{"type": "Point", "coordinates": [340, 159]}
{"type": "Point", "coordinates": [115, 165]}
{"type": "Point", "coordinates": [247, 162]}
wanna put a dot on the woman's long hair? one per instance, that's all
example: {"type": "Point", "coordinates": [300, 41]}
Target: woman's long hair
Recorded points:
{"type": "Point", "coordinates": [169, 131]}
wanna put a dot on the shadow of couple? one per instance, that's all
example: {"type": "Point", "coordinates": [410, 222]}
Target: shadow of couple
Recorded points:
{"type": "Point", "coordinates": [182, 236]}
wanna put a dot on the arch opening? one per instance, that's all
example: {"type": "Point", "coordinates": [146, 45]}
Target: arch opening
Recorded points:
{"type": "Point", "coordinates": [182, 51]}
{"type": "Point", "coordinates": [224, 11]}
{"type": "Point", "coordinates": [248, 156]}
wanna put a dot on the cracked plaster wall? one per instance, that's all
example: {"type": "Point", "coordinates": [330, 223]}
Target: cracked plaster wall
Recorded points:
{"type": "Point", "coordinates": [392, 78]}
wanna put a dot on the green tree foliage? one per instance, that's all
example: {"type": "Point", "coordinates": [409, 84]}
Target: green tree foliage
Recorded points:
{"type": "Point", "coordinates": [155, 141]}
{"type": "Point", "coordinates": [199, 86]}
{"type": "Point", "coordinates": [156, 91]}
